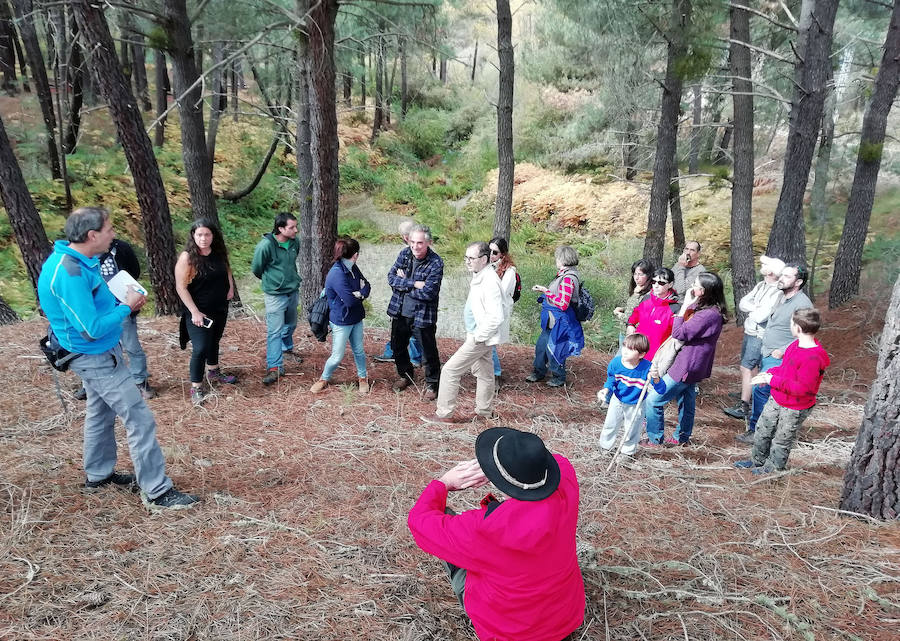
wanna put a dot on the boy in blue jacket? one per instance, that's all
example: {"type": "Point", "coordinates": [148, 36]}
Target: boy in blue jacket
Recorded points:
{"type": "Point", "coordinates": [625, 379]}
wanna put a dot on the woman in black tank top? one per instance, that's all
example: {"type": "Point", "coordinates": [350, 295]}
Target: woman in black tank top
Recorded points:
{"type": "Point", "coordinates": [204, 283]}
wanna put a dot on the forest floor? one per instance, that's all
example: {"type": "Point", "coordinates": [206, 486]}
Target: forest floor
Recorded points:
{"type": "Point", "coordinates": [302, 532]}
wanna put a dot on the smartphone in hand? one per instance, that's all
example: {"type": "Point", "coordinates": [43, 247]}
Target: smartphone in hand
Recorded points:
{"type": "Point", "coordinates": [207, 322]}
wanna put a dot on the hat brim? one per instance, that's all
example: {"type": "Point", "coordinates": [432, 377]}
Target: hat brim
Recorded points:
{"type": "Point", "coordinates": [484, 452]}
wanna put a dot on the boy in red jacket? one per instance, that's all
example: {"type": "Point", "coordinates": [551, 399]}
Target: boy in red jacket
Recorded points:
{"type": "Point", "coordinates": [795, 384]}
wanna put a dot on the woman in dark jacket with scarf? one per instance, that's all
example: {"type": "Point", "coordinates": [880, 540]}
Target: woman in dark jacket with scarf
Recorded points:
{"type": "Point", "coordinates": [561, 333]}
{"type": "Point", "coordinates": [705, 311]}
{"type": "Point", "coordinates": [346, 289]}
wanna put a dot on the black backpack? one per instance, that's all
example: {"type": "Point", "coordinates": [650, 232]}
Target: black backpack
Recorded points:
{"type": "Point", "coordinates": [584, 305]}
{"type": "Point", "coordinates": [318, 317]}
{"type": "Point", "coordinates": [517, 292]}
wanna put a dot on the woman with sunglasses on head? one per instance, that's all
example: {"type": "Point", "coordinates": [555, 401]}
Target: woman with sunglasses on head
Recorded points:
{"type": "Point", "coordinates": [653, 317]}
{"type": "Point", "coordinates": [638, 290]}
{"type": "Point", "coordinates": [503, 264]}
{"type": "Point", "coordinates": [698, 325]}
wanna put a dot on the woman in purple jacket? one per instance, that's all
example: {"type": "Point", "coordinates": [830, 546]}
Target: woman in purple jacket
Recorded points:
{"type": "Point", "coordinates": [346, 289]}
{"type": "Point", "coordinates": [698, 324]}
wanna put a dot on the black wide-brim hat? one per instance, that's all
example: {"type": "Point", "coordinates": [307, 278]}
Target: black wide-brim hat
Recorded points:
{"type": "Point", "coordinates": [517, 463]}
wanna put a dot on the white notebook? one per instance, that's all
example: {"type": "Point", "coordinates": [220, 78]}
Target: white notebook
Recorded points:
{"type": "Point", "coordinates": [121, 282]}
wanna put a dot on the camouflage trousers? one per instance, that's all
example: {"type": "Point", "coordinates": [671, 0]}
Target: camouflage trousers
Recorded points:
{"type": "Point", "coordinates": [776, 433]}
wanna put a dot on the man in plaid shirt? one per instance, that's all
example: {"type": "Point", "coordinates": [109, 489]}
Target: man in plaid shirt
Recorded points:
{"type": "Point", "coordinates": [415, 279]}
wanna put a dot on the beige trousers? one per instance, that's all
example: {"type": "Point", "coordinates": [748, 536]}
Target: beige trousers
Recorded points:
{"type": "Point", "coordinates": [472, 357]}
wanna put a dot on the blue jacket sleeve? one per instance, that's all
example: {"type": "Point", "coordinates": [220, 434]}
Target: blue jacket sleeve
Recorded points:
{"type": "Point", "coordinates": [77, 304]}
{"type": "Point", "coordinates": [366, 289]}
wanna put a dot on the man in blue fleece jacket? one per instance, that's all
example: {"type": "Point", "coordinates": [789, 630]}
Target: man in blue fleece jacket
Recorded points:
{"type": "Point", "coordinates": [87, 320]}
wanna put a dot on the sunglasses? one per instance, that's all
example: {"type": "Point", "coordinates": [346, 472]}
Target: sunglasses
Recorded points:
{"type": "Point", "coordinates": [495, 252]}
{"type": "Point", "coordinates": [660, 282]}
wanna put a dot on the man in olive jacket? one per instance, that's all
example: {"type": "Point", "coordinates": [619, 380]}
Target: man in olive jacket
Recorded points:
{"type": "Point", "coordinates": [275, 262]}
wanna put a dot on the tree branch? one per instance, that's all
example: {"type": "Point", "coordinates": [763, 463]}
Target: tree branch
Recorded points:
{"type": "Point", "coordinates": [199, 11]}
{"type": "Point", "coordinates": [766, 52]}
{"type": "Point", "coordinates": [762, 15]}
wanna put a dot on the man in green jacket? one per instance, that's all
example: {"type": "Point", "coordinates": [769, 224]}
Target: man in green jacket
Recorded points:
{"type": "Point", "coordinates": [275, 262]}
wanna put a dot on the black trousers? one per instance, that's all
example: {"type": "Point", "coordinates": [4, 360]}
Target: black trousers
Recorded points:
{"type": "Point", "coordinates": [205, 344]}
{"type": "Point", "coordinates": [401, 330]}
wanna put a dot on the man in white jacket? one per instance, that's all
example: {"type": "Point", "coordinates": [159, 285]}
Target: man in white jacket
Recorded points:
{"type": "Point", "coordinates": [758, 305]}
{"type": "Point", "coordinates": [485, 318]}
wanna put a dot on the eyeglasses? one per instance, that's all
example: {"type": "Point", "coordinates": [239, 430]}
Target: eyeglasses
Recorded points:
{"type": "Point", "coordinates": [471, 258]}
{"type": "Point", "coordinates": [660, 282]}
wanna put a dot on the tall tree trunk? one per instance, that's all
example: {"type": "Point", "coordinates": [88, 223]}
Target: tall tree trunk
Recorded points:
{"type": "Point", "coordinates": [444, 69]}
{"type": "Point", "coordinates": [872, 479]}
{"type": "Point", "coordinates": [323, 135]}
{"type": "Point", "coordinates": [309, 288]}
{"type": "Point", "coordinates": [667, 133]}
{"type": "Point", "coordinates": [388, 94]}
{"type": "Point", "coordinates": [9, 83]}
{"type": "Point", "coordinates": [139, 55]}
{"type": "Point", "coordinates": [25, 17]}
{"type": "Point", "coordinates": [505, 160]}
{"type": "Point", "coordinates": [23, 216]}
{"type": "Point", "coordinates": [348, 87]}
{"type": "Point", "coordinates": [362, 79]}
{"type": "Point", "coordinates": [148, 183]}
{"type": "Point", "coordinates": [675, 211]}
{"type": "Point", "coordinates": [474, 61]}
{"type": "Point", "coordinates": [787, 238]}
{"type": "Point", "coordinates": [235, 85]}
{"type": "Point", "coordinates": [721, 157]}
{"type": "Point", "coordinates": [403, 80]}
{"type": "Point", "coordinates": [126, 31]}
{"type": "Point", "coordinates": [714, 111]}
{"type": "Point", "coordinates": [845, 282]}
{"type": "Point", "coordinates": [818, 199]}
{"type": "Point", "coordinates": [743, 273]}
{"type": "Point", "coordinates": [696, 131]}
{"type": "Point", "coordinates": [197, 163]}
{"type": "Point", "coordinates": [215, 108]}
{"type": "Point", "coordinates": [629, 150]}
{"type": "Point", "coordinates": [76, 73]}
{"type": "Point", "coordinates": [7, 315]}
{"type": "Point", "coordinates": [162, 98]}
{"type": "Point", "coordinates": [378, 120]}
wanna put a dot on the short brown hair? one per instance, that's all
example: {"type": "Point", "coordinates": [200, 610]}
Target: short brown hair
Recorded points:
{"type": "Point", "coordinates": [638, 342]}
{"type": "Point", "coordinates": [808, 319]}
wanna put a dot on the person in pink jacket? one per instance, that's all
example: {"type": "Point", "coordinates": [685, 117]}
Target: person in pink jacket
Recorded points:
{"type": "Point", "coordinates": [654, 316]}
{"type": "Point", "coordinates": [512, 564]}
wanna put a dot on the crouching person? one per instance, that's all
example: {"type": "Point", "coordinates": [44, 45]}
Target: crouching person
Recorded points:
{"type": "Point", "coordinates": [512, 564]}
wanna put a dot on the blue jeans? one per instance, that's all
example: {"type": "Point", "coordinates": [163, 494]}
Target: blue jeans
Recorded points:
{"type": "Point", "coordinates": [415, 352]}
{"type": "Point", "coordinates": [281, 321]}
{"type": "Point", "coordinates": [497, 370]}
{"type": "Point", "coordinates": [111, 392]}
{"type": "Point", "coordinates": [686, 395]}
{"type": "Point", "coordinates": [340, 335]}
{"type": "Point", "coordinates": [761, 392]}
{"type": "Point", "coordinates": [137, 360]}
{"type": "Point", "coordinates": [543, 360]}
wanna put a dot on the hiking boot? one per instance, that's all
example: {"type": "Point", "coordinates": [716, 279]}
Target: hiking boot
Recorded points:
{"type": "Point", "coordinates": [745, 465]}
{"type": "Point", "coordinates": [122, 479]}
{"type": "Point", "coordinates": [147, 390]}
{"type": "Point", "coordinates": [747, 437]}
{"type": "Point", "coordinates": [383, 359]}
{"type": "Point", "coordinates": [80, 394]}
{"type": "Point", "coordinates": [197, 395]}
{"type": "Point", "coordinates": [741, 411]}
{"type": "Point", "coordinates": [434, 419]}
{"type": "Point", "coordinates": [172, 499]}
{"type": "Point", "coordinates": [430, 394]}
{"type": "Point", "coordinates": [765, 468]}
{"type": "Point", "coordinates": [364, 386]}
{"type": "Point", "coordinates": [534, 377]}
{"type": "Point", "coordinates": [402, 383]}
{"type": "Point", "coordinates": [556, 382]}
{"type": "Point", "coordinates": [216, 376]}
{"type": "Point", "coordinates": [318, 386]}
{"type": "Point", "coordinates": [272, 375]}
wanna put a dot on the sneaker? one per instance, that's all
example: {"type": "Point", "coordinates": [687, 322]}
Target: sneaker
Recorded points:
{"type": "Point", "coordinates": [147, 390]}
{"type": "Point", "coordinates": [318, 386]}
{"type": "Point", "coordinates": [741, 411]}
{"type": "Point", "coordinates": [747, 437]}
{"type": "Point", "coordinates": [434, 419]}
{"type": "Point", "coordinates": [80, 394]}
{"type": "Point", "coordinates": [745, 465]}
{"type": "Point", "coordinates": [670, 441]}
{"type": "Point", "coordinates": [122, 479]}
{"type": "Point", "coordinates": [534, 377]}
{"type": "Point", "coordinates": [364, 386]}
{"type": "Point", "coordinates": [430, 394]}
{"type": "Point", "coordinates": [172, 499]}
{"type": "Point", "coordinates": [556, 382]}
{"type": "Point", "coordinates": [272, 375]}
{"type": "Point", "coordinates": [197, 395]}
{"type": "Point", "coordinates": [383, 359]}
{"type": "Point", "coordinates": [402, 383]}
{"type": "Point", "coordinates": [765, 468]}
{"type": "Point", "coordinates": [216, 376]}
{"type": "Point", "coordinates": [646, 443]}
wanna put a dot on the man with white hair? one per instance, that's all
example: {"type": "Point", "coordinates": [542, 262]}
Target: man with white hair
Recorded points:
{"type": "Point", "coordinates": [758, 304]}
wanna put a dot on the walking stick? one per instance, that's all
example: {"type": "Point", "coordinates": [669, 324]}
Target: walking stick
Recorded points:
{"type": "Point", "coordinates": [626, 433]}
